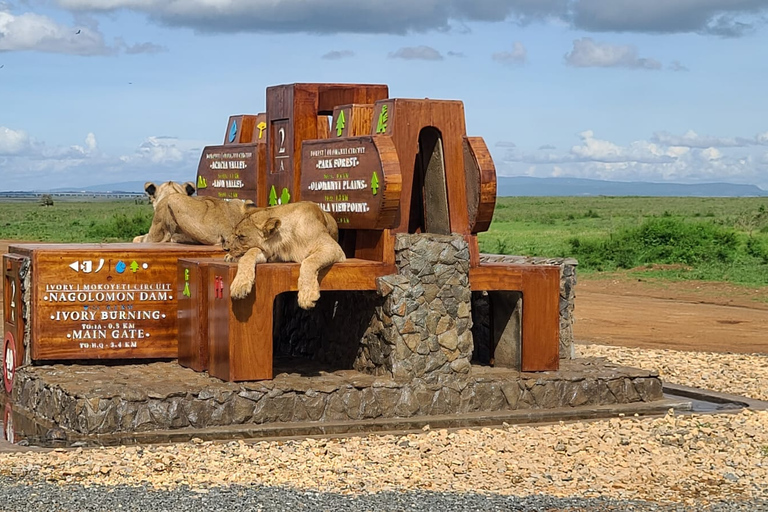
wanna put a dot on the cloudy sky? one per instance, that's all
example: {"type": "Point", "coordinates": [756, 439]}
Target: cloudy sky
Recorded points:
{"type": "Point", "coordinates": [104, 91]}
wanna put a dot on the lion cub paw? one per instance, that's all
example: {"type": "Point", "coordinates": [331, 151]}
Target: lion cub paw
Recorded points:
{"type": "Point", "coordinates": [229, 258]}
{"type": "Point", "coordinates": [307, 298]}
{"type": "Point", "coordinates": [138, 239]}
{"type": "Point", "coordinates": [240, 287]}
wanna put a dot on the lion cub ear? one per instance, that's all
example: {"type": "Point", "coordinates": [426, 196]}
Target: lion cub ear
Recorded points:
{"type": "Point", "coordinates": [189, 188]}
{"type": "Point", "coordinates": [271, 226]}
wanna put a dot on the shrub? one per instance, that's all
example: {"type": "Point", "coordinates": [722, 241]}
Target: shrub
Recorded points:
{"type": "Point", "coordinates": [664, 240]}
{"type": "Point", "coordinates": [121, 227]}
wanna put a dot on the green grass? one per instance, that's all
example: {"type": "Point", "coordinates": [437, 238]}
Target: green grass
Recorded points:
{"type": "Point", "coordinates": [74, 221]}
{"type": "Point", "coordinates": [722, 239]}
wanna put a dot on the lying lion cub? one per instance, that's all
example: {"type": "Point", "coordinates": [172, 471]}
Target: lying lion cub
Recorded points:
{"type": "Point", "coordinates": [298, 232]}
{"type": "Point", "coordinates": [190, 220]}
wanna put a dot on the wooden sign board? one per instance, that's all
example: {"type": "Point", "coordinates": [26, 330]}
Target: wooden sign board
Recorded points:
{"type": "Point", "coordinates": [105, 301]}
{"type": "Point", "coordinates": [13, 339]}
{"type": "Point", "coordinates": [245, 129]}
{"type": "Point", "coordinates": [228, 172]}
{"type": "Point", "coordinates": [357, 180]}
{"type": "Point", "coordinates": [352, 120]}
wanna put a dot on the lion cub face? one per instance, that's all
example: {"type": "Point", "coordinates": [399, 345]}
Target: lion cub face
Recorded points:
{"type": "Point", "coordinates": [158, 192]}
{"type": "Point", "coordinates": [249, 233]}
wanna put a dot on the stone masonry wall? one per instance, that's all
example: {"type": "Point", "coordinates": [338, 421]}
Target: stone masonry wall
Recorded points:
{"type": "Point", "coordinates": [423, 327]}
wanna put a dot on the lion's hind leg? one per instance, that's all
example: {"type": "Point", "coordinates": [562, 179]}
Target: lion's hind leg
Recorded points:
{"type": "Point", "coordinates": [325, 254]}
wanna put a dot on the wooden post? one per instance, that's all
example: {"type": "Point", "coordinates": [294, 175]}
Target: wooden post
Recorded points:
{"type": "Point", "coordinates": [292, 117]}
{"type": "Point", "coordinates": [192, 291]}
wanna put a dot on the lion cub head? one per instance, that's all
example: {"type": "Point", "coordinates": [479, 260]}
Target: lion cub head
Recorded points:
{"type": "Point", "coordinates": [250, 232]}
{"type": "Point", "coordinates": [158, 192]}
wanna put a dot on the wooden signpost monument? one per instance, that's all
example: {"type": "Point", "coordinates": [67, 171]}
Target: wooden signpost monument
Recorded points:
{"type": "Point", "coordinates": [380, 166]}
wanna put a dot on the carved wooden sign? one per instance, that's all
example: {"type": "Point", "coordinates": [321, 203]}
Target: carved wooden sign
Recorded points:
{"type": "Point", "coordinates": [244, 129]}
{"type": "Point", "coordinates": [357, 180]}
{"type": "Point", "coordinates": [228, 172]}
{"type": "Point", "coordinates": [105, 301]}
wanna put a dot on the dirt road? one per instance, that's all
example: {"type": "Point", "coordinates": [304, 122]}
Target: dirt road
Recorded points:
{"type": "Point", "coordinates": [625, 311]}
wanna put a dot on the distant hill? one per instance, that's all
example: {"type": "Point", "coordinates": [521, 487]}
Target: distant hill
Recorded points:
{"type": "Point", "coordinates": [123, 186]}
{"type": "Point", "coordinates": [526, 186]}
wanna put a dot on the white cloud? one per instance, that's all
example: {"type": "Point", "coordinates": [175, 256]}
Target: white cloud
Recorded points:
{"type": "Point", "coordinates": [588, 53]}
{"type": "Point", "coordinates": [31, 31]}
{"type": "Point", "coordinates": [35, 32]}
{"type": "Point", "coordinates": [643, 160]}
{"type": "Point", "coordinates": [32, 165]}
{"type": "Point", "coordinates": [12, 141]}
{"type": "Point", "coordinates": [518, 55]}
{"type": "Point", "coordinates": [691, 139]}
{"type": "Point", "coordinates": [416, 53]}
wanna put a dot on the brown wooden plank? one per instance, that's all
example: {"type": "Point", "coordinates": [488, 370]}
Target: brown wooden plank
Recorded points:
{"type": "Point", "coordinates": [540, 285]}
{"type": "Point", "coordinates": [105, 301]}
{"type": "Point", "coordinates": [356, 179]}
{"type": "Point", "coordinates": [352, 120]}
{"type": "Point", "coordinates": [481, 183]}
{"type": "Point", "coordinates": [240, 331]}
{"type": "Point", "coordinates": [404, 120]}
{"type": "Point", "coordinates": [192, 314]}
{"type": "Point", "coordinates": [229, 172]}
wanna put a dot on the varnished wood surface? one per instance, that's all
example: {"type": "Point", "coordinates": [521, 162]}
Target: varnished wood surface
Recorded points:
{"type": "Point", "coordinates": [481, 183]}
{"type": "Point", "coordinates": [230, 171]}
{"type": "Point", "coordinates": [294, 109]}
{"type": "Point", "coordinates": [241, 331]}
{"type": "Point", "coordinates": [540, 286]}
{"type": "Point", "coordinates": [101, 309]}
{"type": "Point", "coordinates": [357, 120]}
{"type": "Point", "coordinates": [13, 303]}
{"type": "Point", "coordinates": [373, 155]}
{"type": "Point", "coordinates": [405, 120]}
{"type": "Point", "coordinates": [192, 314]}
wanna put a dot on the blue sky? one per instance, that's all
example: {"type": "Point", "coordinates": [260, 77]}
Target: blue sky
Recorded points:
{"type": "Point", "coordinates": [104, 91]}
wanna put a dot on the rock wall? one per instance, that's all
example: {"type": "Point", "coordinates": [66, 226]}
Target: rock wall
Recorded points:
{"type": "Point", "coordinates": [423, 327]}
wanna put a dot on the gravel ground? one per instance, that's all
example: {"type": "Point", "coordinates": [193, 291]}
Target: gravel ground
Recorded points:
{"type": "Point", "coordinates": [676, 462]}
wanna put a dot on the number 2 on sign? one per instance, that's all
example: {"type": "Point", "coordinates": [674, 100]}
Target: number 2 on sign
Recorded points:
{"type": "Point", "coordinates": [282, 141]}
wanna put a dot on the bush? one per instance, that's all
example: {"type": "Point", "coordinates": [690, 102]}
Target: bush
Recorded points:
{"type": "Point", "coordinates": [121, 227]}
{"type": "Point", "coordinates": [663, 240]}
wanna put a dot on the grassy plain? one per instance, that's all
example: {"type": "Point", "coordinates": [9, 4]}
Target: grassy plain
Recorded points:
{"type": "Point", "coordinates": [720, 239]}
{"type": "Point", "coordinates": [724, 239]}
{"type": "Point", "coordinates": [117, 220]}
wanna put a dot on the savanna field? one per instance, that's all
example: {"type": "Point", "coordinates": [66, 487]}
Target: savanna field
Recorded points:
{"type": "Point", "coordinates": [672, 463]}
{"type": "Point", "coordinates": [718, 239]}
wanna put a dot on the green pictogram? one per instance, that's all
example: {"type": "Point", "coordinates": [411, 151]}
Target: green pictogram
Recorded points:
{"type": "Point", "coordinates": [381, 126]}
{"type": "Point", "coordinates": [340, 123]}
{"type": "Point", "coordinates": [272, 196]}
{"type": "Point", "coordinates": [375, 183]}
{"type": "Point", "coordinates": [285, 197]}
{"type": "Point", "coordinates": [134, 266]}
{"type": "Point", "coordinates": [201, 183]}
{"type": "Point", "coordinates": [186, 290]}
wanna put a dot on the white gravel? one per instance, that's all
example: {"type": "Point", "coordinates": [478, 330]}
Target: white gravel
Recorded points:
{"type": "Point", "coordinates": [691, 460]}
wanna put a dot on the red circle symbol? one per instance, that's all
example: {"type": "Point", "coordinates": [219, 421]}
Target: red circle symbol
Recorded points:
{"type": "Point", "coordinates": [9, 361]}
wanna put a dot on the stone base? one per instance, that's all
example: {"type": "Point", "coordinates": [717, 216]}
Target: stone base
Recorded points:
{"type": "Point", "coordinates": [87, 400]}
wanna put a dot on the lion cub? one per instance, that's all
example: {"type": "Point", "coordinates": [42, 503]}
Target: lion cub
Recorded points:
{"type": "Point", "coordinates": [295, 232]}
{"type": "Point", "coordinates": [190, 220]}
